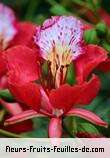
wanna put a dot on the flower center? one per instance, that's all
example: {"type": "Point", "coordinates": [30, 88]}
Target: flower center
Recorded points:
{"type": "Point", "coordinates": [61, 55]}
{"type": "Point", "coordinates": [57, 112]}
{"type": "Point", "coordinates": [60, 40]}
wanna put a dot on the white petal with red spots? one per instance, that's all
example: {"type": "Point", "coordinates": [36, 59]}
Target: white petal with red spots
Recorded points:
{"type": "Point", "coordinates": [62, 34]}
{"type": "Point", "coordinates": [7, 26]}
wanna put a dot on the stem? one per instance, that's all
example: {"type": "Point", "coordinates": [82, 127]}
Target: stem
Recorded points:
{"type": "Point", "coordinates": [67, 130]}
{"type": "Point", "coordinates": [11, 135]}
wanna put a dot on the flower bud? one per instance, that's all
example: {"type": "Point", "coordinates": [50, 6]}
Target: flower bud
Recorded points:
{"type": "Point", "coordinates": [90, 36]}
{"type": "Point", "coordinates": [101, 29]}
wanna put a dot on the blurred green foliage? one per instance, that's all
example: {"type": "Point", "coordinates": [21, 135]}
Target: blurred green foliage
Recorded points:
{"type": "Point", "coordinates": [37, 10]}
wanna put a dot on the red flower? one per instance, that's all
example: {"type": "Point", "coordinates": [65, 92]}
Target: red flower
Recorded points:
{"type": "Point", "coordinates": [55, 103]}
{"type": "Point", "coordinates": [60, 44]}
{"type": "Point", "coordinates": [12, 33]}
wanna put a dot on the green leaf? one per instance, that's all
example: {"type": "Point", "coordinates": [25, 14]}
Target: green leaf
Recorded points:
{"type": "Point", "coordinates": [58, 10]}
{"type": "Point", "coordinates": [89, 128]}
{"type": "Point", "coordinates": [40, 128]}
{"type": "Point", "coordinates": [90, 36]}
{"type": "Point", "coordinates": [101, 29]}
{"type": "Point", "coordinates": [6, 95]}
{"type": "Point", "coordinates": [106, 45]}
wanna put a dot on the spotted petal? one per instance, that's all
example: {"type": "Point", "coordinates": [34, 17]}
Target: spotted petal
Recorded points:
{"type": "Point", "coordinates": [60, 35]}
{"type": "Point", "coordinates": [7, 26]}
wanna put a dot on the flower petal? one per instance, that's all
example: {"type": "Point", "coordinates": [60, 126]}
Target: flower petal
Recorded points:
{"type": "Point", "coordinates": [20, 127]}
{"type": "Point", "coordinates": [55, 128]}
{"type": "Point", "coordinates": [22, 65]}
{"type": "Point", "coordinates": [88, 61]}
{"type": "Point", "coordinates": [13, 108]}
{"type": "Point", "coordinates": [85, 114]}
{"type": "Point", "coordinates": [28, 114]}
{"type": "Point", "coordinates": [61, 98]}
{"type": "Point", "coordinates": [7, 26]}
{"type": "Point", "coordinates": [55, 33]}
{"type": "Point", "coordinates": [24, 36]}
{"type": "Point", "coordinates": [66, 96]}
{"type": "Point", "coordinates": [105, 16]}
{"type": "Point", "coordinates": [28, 94]}
{"type": "Point", "coordinates": [3, 82]}
{"type": "Point", "coordinates": [105, 66]}
{"type": "Point", "coordinates": [2, 64]}
{"type": "Point", "coordinates": [87, 91]}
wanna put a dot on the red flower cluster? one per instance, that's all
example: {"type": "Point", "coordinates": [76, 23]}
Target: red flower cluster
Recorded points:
{"type": "Point", "coordinates": [12, 33]}
{"type": "Point", "coordinates": [59, 43]}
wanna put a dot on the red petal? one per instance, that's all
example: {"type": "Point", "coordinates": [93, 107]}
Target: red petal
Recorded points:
{"type": "Point", "coordinates": [2, 64]}
{"type": "Point", "coordinates": [22, 64]}
{"type": "Point", "coordinates": [105, 66]}
{"type": "Point", "coordinates": [13, 108]}
{"type": "Point", "coordinates": [25, 34]}
{"type": "Point", "coordinates": [88, 27]}
{"type": "Point", "coordinates": [28, 94]}
{"type": "Point", "coordinates": [67, 96]}
{"type": "Point", "coordinates": [105, 16]}
{"type": "Point", "coordinates": [87, 91]}
{"type": "Point", "coordinates": [28, 114]}
{"type": "Point", "coordinates": [55, 128]}
{"type": "Point", "coordinates": [3, 82]}
{"type": "Point", "coordinates": [61, 98]}
{"type": "Point", "coordinates": [18, 128]}
{"type": "Point", "coordinates": [88, 61]}
{"type": "Point", "coordinates": [85, 114]}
